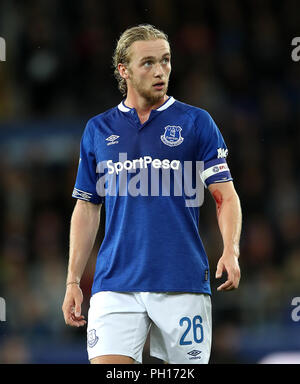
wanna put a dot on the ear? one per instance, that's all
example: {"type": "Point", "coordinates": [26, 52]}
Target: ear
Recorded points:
{"type": "Point", "coordinates": [123, 71]}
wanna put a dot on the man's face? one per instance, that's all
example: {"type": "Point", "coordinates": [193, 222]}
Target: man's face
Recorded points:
{"type": "Point", "coordinates": [149, 69]}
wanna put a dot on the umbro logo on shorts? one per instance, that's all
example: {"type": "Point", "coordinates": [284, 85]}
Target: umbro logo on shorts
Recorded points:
{"type": "Point", "coordinates": [194, 353]}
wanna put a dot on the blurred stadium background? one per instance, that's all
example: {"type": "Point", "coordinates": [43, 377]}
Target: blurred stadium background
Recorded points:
{"type": "Point", "coordinates": [232, 58]}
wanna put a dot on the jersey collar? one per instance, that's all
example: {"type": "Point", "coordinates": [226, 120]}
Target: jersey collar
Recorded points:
{"type": "Point", "coordinates": [123, 108]}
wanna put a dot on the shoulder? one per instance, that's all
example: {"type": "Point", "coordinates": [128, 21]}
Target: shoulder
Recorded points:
{"type": "Point", "coordinates": [95, 123]}
{"type": "Point", "coordinates": [203, 124]}
{"type": "Point", "coordinates": [105, 116]}
{"type": "Point", "coordinates": [197, 114]}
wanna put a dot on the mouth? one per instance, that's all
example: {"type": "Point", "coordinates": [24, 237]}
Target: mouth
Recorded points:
{"type": "Point", "coordinates": [159, 85]}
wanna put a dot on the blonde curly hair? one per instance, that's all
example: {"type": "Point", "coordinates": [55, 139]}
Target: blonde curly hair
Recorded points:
{"type": "Point", "coordinates": [142, 32]}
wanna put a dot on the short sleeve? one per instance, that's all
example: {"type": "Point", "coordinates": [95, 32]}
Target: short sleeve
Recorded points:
{"type": "Point", "coordinates": [212, 150]}
{"type": "Point", "coordinates": [86, 179]}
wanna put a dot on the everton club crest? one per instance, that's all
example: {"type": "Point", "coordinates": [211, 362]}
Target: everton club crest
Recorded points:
{"type": "Point", "coordinates": [172, 136]}
{"type": "Point", "coordinates": [92, 338]}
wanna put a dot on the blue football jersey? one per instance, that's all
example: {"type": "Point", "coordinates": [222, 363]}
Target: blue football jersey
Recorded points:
{"type": "Point", "coordinates": [146, 175]}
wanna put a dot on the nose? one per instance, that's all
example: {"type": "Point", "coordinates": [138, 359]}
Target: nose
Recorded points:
{"type": "Point", "coordinates": [158, 70]}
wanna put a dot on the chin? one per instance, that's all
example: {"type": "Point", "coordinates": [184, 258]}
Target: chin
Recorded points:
{"type": "Point", "coordinates": [155, 97]}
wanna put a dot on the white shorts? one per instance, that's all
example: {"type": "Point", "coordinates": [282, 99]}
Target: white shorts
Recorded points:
{"type": "Point", "coordinates": [179, 324]}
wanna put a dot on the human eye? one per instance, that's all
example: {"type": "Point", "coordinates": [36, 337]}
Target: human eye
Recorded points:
{"type": "Point", "coordinates": [165, 60]}
{"type": "Point", "coordinates": [147, 63]}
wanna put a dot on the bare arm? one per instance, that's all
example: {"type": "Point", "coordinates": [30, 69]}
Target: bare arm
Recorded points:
{"type": "Point", "coordinates": [229, 217]}
{"type": "Point", "coordinates": [83, 231]}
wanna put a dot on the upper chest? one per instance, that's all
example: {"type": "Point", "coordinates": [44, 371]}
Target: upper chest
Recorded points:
{"type": "Point", "coordinates": [164, 136]}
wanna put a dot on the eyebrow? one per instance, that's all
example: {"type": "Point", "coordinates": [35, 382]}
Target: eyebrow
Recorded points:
{"type": "Point", "coordinates": [153, 57]}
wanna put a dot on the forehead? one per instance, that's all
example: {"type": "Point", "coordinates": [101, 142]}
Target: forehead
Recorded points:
{"type": "Point", "coordinates": [155, 48]}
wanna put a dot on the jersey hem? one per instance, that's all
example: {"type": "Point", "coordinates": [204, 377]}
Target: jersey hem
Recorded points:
{"type": "Point", "coordinates": [185, 290]}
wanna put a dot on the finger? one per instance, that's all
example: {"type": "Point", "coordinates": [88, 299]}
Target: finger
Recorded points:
{"type": "Point", "coordinates": [78, 319]}
{"type": "Point", "coordinates": [219, 271]}
{"type": "Point", "coordinates": [74, 314]}
{"type": "Point", "coordinates": [67, 314]}
{"type": "Point", "coordinates": [75, 323]}
{"type": "Point", "coordinates": [69, 317]}
{"type": "Point", "coordinates": [229, 285]}
{"type": "Point", "coordinates": [230, 288]}
{"type": "Point", "coordinates": [69, 320]}
{"type": "Point", "coordinates": [225, 286]}
{"type": "Point", "coordinates": [77, 308]}
{"type": "Point", "coordinates": [236, 283]}
{"type": "Point", "coordinates": [235, 278]}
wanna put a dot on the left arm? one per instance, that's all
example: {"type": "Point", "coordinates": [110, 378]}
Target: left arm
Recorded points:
{"type": "Point", "coordinates": [229, 217]}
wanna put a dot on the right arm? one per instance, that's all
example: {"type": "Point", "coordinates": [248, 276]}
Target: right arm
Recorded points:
{"type": "Point", "coordinates": [83, 231]}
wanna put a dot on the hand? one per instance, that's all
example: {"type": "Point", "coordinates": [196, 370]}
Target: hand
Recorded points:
{"type": "Point", "coordinates": [228, 263]}
{"type": "Point", "coordinates": [72, 306]}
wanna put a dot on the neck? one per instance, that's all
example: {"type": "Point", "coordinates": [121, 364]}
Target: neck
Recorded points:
{"type": "Point", "coordinates": [142, 105]}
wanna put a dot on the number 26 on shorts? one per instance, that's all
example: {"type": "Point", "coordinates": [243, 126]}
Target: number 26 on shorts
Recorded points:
{"type": "Point", "coordinates": [197, 332]}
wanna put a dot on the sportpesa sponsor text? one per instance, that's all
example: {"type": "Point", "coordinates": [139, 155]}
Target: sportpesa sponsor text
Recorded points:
{"type": "Point", "coordinates": [141, 163]}
{"type": "Point", "coordinates": [148, 176]}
